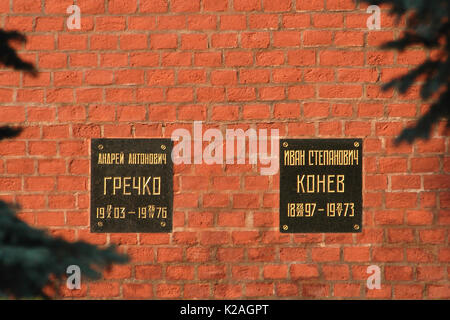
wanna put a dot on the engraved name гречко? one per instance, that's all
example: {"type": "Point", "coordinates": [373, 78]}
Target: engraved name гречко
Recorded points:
{"type": "Point", "coordinates": [131, 185]}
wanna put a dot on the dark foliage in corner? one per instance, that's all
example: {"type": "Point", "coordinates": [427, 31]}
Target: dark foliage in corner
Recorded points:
{"type": "Point", "coordinates": [428, 26]}
{"type": "Point", "coordinates": [30, 259]}
{"type": "Point", "coordinates": [8, 55]}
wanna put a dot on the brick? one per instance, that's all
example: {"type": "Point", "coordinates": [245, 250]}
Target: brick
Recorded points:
{"type": "Point", "coordinates": [292, 254]}
{"type": "Point", "coordinates": [419, 255]}
{"type": "Point", "coordinates": [121, 6]}
{"type": "Point", "coordinates": [347, 290]}
{"type": "Point", "coordinates": [340, 91]}
{"type": "Point", "coordinates": [245, 237]}
{"type": "Point", "coordinates": [263, 21]}
{"type": "Point", "coordinates": [31, 201]}
{"type": "Point", "coordinates": [387, 254]}
{"type": "Point", "coordinates": [312, 110]}
{"type": "Point", "coordinates": [153, 6]}
{"type": "Point", "coordinates": [50, 219]}
{"type": "Point", "coordinates": [255, 40]}
{"type": "Point", "coordinates": [401, 200]}
{"type": "Point", "coordinates": [137, 291]}
{"type": "Point", "coordinates": [117, 272]}
{"type": "Point", "coordinates": [389, 217]}
{"type": "Point", "coordinates": [192, 112]}
{"type": "Point", "coordinates": [208, 59]}
{"type": "Point", "coordinates": [360, 254]}
{"type": "Point", "coordinates": [272, 93]}
{"type": "Point", "coordinates": [430, 273]}
{"type": "Point", "coordinates": [214, 5]}
{"type": "Point", "coordinates": [227, 291]}
{"type": "Point", "coordinates": [275, 271]}
{"type": "Point", "coordinates": [79, 42]}
{"type": "Point", "coordinates": [141, 23]}
{"type": "Point", "coordinates": [176, 59]}
{"type": "Point", "coordinates": [233, 22]}
{"type": "Point", "coordinates": [392, 165]}
{"type": "Point", "coordinates": [247, 5]}
{"type": "Point", "coordinates": [287, 75]}
{"type": "Point", "coordinates": [370, 235]}
{"type": "Point", "coordinates": [194, 41]}
{"type": "Point", "coordinates": [244, 272]}
{"type": "Point", "coordinates": [230, 254]}
{"type": "Point", "coordinates": [316, 38]}
{"type": "Point", "coordinates": [272, 58]}
{"type": "Point", "coordinates": [25, 6]}
{"type": "Point", "coordinates": [172, 22]}
{"type": "Point", "coordinates": [145, 59]}
{"type": "Point", "coordinates": [148, 272]}
{"type": "Point", "coordinates": [325, 254]}
{"type": "Point", "coordinates": [304, 271]}
{"type": "Point", "coordinates": [168, 291]}
{"type": "Point", "coordinates": [259, 289]}
{"type": "Point", "coordinates": [180, 272]}
{"type": "Point", "coordinates": [405, 182]}
{"type": "Point", "coordinates": [210, 272]}
{"type": "Point", "coordinates": [210, 94]}
{"type": "Point", "coordinates": [328, 20]}
{"type": "Point", "coordinates": [224, 40]}
{"type": "Point", "coordinates": [434, 236]}
{"type": "Point", "coordinates": [301, 92]}
{"type": "Point", "coordinates": [439, 291]}
{"type": "Point", "coordinates": [341, 58]}
{"type": "Point", "coordinates": [238, 58]}
{"type": "Point", "coordinates": [241, 94]}
{"type": "Point", "coordinates": [245, 201]}
{"type": "Point", "coordinates": [349, 39]}
{"type": "Point", "coordinates": [202, 22]}
{"type": "Point", "coordinates": [340, 5]}
{"type": "Point", "coordinates": [408, 291]}
{"type": "Point", "coordinates": [104, 289]}
{"type": "Point", "coordinates": [214, 237]}
{"type": "Point", "coordinates": [436, 182]}
{"type": "Point", "coordinates": [75, 60]}
{"type": "Point", "coordinates": [9, 78]}
{"type": "Point", "coordinates": [11, 184]}
{"type": "Point", "coordinates": [233, 219]}
{"type": "Point", "coordinates": [315, 290]}
{"type": "Point", "coordinates": [185, 6]}
{"type": "Point", "coordinates": [197, 254]}
{"type": "Point", "coordinates": [286, 39]}
{"type": "Point", "coordinates": [163, 41]}
{"type": "Point", "coordinates": [279, 6]}
{"type": "Point", "coordinates": [199, 291]}
{"type": "Point", "coordinates": [110, 23]}
{"type": "Point", "coordinates": [128, 77]}
{"type": "Point", "coordinates": [379, 58]}
{"type": "Point", "coordinates": [261, 255]}
{"type": "Point", "coordinates": [398, 273]}
{"type": "Point", "coordinates": [91, 6]}
{"type": "Point", "coordinates": [358, 75]}
{"type": "Point", "coordinates": [5, 7]}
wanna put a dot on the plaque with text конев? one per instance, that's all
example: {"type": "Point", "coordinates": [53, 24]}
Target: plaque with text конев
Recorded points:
{"type": "Point", "coordinates": [320, 185]}
{"type": "Point", "coordinates": [131, 185]}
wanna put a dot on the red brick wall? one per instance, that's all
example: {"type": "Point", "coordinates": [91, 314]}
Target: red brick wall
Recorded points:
{"type": "Point", "coordinates": [311, 68]}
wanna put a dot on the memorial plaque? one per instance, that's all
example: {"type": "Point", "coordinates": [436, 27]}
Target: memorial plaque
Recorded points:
{"type": "Point", "coordinates": [320, 185]}
{"type": "Point", "coordinates": [131, 185]}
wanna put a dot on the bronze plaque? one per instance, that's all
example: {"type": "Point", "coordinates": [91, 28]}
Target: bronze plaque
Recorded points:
{"type": "Point", "coordinates": [131, 185]}
{"type": "Point", "coordinates": [320, 185]}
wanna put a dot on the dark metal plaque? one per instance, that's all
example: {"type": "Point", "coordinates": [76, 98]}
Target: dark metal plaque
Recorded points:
{"type": "Point", "coordinates": [320, 185]}
{"type": "Point", "coordinates": [131, 185]}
